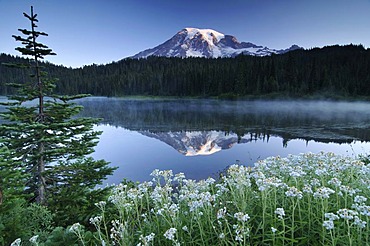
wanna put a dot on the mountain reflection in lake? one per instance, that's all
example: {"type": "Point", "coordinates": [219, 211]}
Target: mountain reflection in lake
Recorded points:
{"type": "Point", "coordinates": [202, 137]}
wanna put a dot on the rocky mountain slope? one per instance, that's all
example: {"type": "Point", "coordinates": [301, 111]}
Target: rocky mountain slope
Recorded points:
{"type": "Point", "coordinates": [195, 42]}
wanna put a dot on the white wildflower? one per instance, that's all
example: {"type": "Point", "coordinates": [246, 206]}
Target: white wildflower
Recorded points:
{"type": "Point", "coordinates": [17, 242]}
{"type": "Point", "coordinates": [335, 181]}
{"type": "Point", "coordinates": [173, 209]}
{"type": "Point", "coordinates": [315, 182]}
{"type": "Point", "coordinates": [307, 189]}
{"type": "Point", "coordinates": [221, 189]}
{"type": "Point", "coordinates": [360, 223]}
{"type": "Point", "coordinates": [348, 190]}
{"type": "Point", "coordinates": [323, 192]}
{"type": "Point", "coordinates": [101, 205]}
{"type": "Point", "coordinates": [241, 217]}
{"type": "Point", "coordinates": [179, 177]}
{"type": "Point", "coordinates": [144, 187]}
{"type": "Point", "coordinates": [328, 224]}
{"type": "Point", "coordinates": [239, 237]}
{"type": "Point", "coordinates": [210, 181]}
{"type": "Point", "coordinates": [156, 194]}
{"type": "Point", "coordinates": [75, 227]}
{"type": "Point", "coordinates": [321, 171]}
{"type": "Point", "coordinates": [170, 234]}
{"type": "Point", "coordinates": [160, 211]}
{"type": "Point", "coordinates": [267, 183]}
{"type": "Point", "coordinates": [273, 229]}
{"type": "Point", "coordinates": [221, 236]}
{"type": "Point", "coordinates": [167, 175]}
{"type": "Point", "coordinates": [280, 212]}
{"type": "Point", "coordinates": [238, 176]}
{"type": "Point", "coordinates": [117, 230]}
{"type": "Point", "coordinates": [294, 192]}
{"type": "Point", "coordinates": [363, 210]}
{"type": "Point", "coordinates": [155, 173]}
{"type": "Point", "coordinates": [145, 241]}
{"type": "Point", "coordinates": [185, 228]}
{"type": "Point", "coordinates": [194, 205]}
{"type": "Point", "coordinates": [34, 239]}
{"type": "Point", "coordinates": [134, 194]}
{"type": "Point", "coordinates": [360, 199]}
{"type": "Point", "coordinates": [221, 213]}
{"type": "Point", "coordinates": [331, 216]}
{"type": "Point", "coordinates": [347, 214]}
{"type": "Point", "coordinates": [96, 220]}
{"type": "Point", "coordinates": [296, 171]}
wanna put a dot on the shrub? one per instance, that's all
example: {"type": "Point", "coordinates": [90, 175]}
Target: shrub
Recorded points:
{"type": "Point", "coordinates": [20, 220]}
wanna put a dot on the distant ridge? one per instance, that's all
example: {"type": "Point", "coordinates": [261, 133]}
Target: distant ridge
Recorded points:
{"type": "Point", "coordinates": [195, 42]}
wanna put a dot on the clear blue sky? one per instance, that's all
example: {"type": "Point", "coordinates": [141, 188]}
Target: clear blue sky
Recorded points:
{"type": "Point", "coordinates": [83, 32]}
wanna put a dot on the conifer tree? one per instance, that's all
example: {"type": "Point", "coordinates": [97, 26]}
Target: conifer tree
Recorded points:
{"type": "Point", "coordinates": [12, 179]}
{"type": "Point", "coordinates": [47, 147]}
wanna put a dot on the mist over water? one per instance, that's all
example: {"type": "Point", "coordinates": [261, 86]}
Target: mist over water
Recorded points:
{"type": "Point", "coordinates": [202, 137]}
{"type": "Point", "coordinates": [268, 117]}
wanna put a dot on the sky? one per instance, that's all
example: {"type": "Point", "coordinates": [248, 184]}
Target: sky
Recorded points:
{"type": "Point", "coordinates": [83, 32]}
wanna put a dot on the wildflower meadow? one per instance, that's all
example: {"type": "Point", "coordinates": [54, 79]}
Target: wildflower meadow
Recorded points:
{"type": "Point", "coordinates": [306, 199]}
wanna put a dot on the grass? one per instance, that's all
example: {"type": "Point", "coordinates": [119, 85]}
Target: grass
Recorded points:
{"type": "Point", "coordinates": [308, 199]}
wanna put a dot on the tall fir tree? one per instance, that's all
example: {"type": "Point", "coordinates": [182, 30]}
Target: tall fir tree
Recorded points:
{"type": "Point", "coordinates": [47, 147]}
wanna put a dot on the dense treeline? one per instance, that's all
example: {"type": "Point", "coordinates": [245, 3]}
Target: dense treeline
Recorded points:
{"type": "Point", "coordinates": [334, 71]}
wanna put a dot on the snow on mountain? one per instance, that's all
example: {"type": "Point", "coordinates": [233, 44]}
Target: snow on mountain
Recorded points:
{"type": "Point", "coordinates": [194, 143]}
{"type": "Point", "coordinates": [195, 42]}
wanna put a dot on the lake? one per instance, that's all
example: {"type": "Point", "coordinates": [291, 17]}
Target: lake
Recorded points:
{"type": "Point", "coordinates": [203, 137]}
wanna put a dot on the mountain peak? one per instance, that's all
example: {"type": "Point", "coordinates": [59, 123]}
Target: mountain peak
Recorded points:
{"type": "Point", "coordinates": [208, 35]}
{"type": "Point", "coordinates": [197, 42]}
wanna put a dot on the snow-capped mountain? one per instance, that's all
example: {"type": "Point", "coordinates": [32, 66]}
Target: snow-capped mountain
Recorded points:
{"type": "Point", "coordinates": [195, 42]}
{"type": "Point", "coordinates": [194, 143]}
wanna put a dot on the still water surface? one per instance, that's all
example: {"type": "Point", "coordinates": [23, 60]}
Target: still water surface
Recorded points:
{"type": "Point", "coordinates": [202, 137]}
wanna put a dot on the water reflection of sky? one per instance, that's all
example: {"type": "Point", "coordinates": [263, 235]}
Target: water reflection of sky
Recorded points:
{"type": "Point", "coordinates": [137, 155]}
{"type": "Point", "coordinates": [142, 135]}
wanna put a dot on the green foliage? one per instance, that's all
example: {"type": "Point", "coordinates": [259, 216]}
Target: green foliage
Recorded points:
{"type": "Point", "coordinates": [74, 201]}
{"type": "Point", "coordinates": [12, 180]}
{"type": "Point", "coordinates": [38, 218]}
{"type": "Point", "coordinates": [60, 237]}
{"type": "Point", "coordinates": [44, 160]}
{"type": "Point", "coordinates": [18, 219]}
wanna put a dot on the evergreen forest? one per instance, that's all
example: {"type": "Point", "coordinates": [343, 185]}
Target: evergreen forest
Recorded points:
{"type": "Point", "coordinates": [332, 71]}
